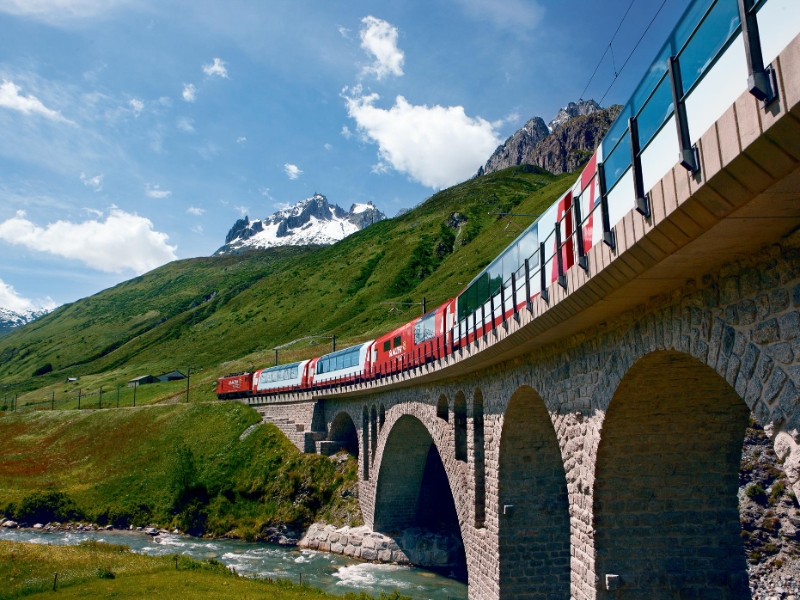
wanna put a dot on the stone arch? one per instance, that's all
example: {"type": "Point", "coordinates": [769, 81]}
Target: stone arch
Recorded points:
{"type": "Point", "coordinates": [443, 408]}
{"type": "Point", "coordinates": [666, 519]}
{"type": "Point", "coordinates": [534, 527]}
{"type": "Point", "coordinates": [413, 488]}
{"type": "Point", "coordinates": [460, 426]}
{"type": "Point", "coordinates": [365, 444]}
{"type": "Point", "coordinates": [373, 432]}
{"type": "Point", "coordinates": [479, 458]}
{"type": "Point", "coordinates": [343, 434]}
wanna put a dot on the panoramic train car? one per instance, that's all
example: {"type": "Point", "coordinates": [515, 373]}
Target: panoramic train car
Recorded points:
{"type": "Point", "coordinates": [234, 385]}
{"type": "Point", "coordinates": [414, 343]}
{"type": "Point", "coordinates": [282, 378]}
{"type": "Point", "coordinates": [343, 366]}
{"type": "Point", "coordinates": [539, 256]}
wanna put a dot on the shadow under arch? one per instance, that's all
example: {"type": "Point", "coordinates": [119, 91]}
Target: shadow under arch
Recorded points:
{"type": "Point", "coordinates": [534, 531]}
{"type": "Point", "coordinates": [343, 435]}
{"type": "Point", "coordinates": [412, 487]}
{"type": "Point", "coordinates": [666, 516]}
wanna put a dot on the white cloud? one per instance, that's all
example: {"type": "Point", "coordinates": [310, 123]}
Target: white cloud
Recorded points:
{"type": "Point", "coordinates": [241, 140]}
{"type": "Point", "coordinates": [346, 132]}
{"type": "Point", "coordinates": [165, 101]}
{"type": "Point", "coordinates": [292, 172]}
{"type": "Point", "coordinates": [193, 210]}
{"type": "Point", "coordinates": [185, 124]}
{"type": "Point", "coordinates": [95, 182]}
{"type": "Point", "coordinates": [379, 38]}
{"type": "Point", "coordinates": [264, 191]}
{"type": "Point", "coordinates": [94, 211]}
{"type": "Point", "coordinates": [136, 106]}
{"type": "Point", "coordinates": [124, 241]}
{"type": "Point", "coordinates": [155, 191]}
{"type": "Point", "coordinates": [436, 146]}
{"type": "Point", "coordinates": [196, 229]}
{"type": "Point", "coordinates": [344, 31]}
{"type": "Point", "coordinates": [10, 299]}
{"type": "Point", "coordinates": [216, 68]}
{"type": "Point", "coordinates": [189, 92]}
{"type": "Point", "coordinates": [328, 147]}
{"type": "Point", "coordinates": [242, 209]}
{"type": "Point", "coordinates": [11, 98]}
{"type": "Point", "coordinates": [520, 16]}
{"type": "Point", "coordinates": [55, 11]}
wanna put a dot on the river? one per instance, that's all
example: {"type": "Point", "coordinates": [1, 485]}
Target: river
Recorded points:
{"type": "Point", "coordinates": [333, 573]}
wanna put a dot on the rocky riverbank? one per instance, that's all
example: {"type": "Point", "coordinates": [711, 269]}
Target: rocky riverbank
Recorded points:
{"type": "Point", "coordinates": [411, 546]}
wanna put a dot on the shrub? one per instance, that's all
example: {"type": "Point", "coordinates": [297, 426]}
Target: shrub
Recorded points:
{"type": "Point", "coordinates": [43, 370]}
{"type": "Point", "coordinates": [46, 507]}
{"type": "Point", "coordinates": [756, 493]}
{"type": "Point", "coordinates": [105, 573]}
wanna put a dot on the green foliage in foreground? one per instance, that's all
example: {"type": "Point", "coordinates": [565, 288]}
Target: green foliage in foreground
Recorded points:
{"type": "Point", "coordinates": [175, 466]}
{"type": "Point", "coordinates": [222, 314]}
{"type": "Point", "coordinates": [95, 569]}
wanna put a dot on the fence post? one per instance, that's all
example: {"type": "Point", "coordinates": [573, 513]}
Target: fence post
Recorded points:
{"type": "Point", "coordinates": [53, 401]}
{"type": "Point", "coordinates": [117, 395]}
{"type": "Point", "coordinates": [135, 385]}
{"type": "Point", "coordinates": [79, 398]}
{"type": "Point", "coordinates": [100, 399]}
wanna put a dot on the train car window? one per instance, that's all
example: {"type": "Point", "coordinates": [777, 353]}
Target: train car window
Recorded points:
{"type": "Point", "coordinates": [398, 341]}
{"type": "Point", "coordinates": [424, 329]}
{"type": "Point", "coordinates": [528, 244]}
{"type": "Point", "coordinates": [387, 345]}
{"type": "Point", "coordinates": [510, 262]}
{"type": "Point", "coordinates": [294, 373]}
{"type": "Point", "coordinates": [482, 289]}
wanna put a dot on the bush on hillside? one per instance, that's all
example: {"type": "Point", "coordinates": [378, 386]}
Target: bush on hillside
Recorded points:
{"type": "Point", "coordinates": [43, 370]}
{"type": "Point", "coordinates": [46, 507]}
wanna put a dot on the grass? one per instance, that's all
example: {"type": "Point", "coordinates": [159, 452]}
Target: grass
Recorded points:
{"type": "Point", "coordinates": [96, 569]}
{"type": "Point", "coordinates": [222, 314]}
{"type": "Point", "coordinates": [175, 466]}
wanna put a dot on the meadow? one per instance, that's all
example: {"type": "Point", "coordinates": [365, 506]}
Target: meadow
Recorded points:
{"type": "Point", "coordinates": [96, 569]}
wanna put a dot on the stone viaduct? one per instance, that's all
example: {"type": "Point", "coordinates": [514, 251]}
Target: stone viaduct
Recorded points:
{"type": "Point", "coordinates": [591, 445]}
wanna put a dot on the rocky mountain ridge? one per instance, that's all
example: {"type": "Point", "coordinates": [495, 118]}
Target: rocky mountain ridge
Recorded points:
{"type": "Point", "coordinates": [560, 147]}
{"type": "Point", "coordinates": [312, 221]}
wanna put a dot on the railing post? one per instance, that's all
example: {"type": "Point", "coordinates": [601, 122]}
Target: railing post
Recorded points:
{"type": "Point", "coordinates": [760, 81]}
{"type": "Point", "coordinates": [608, 235]}
{"type": "Point", "coordinates": [562, 279]}
{"type": "Point", "coordinates": [491, 303]}
{"type": "Point", "coordinates": [583, 261]}
{"type": "Point", "coordinates": [514, 291]}
{"type": "Point", "coordinates": [688, 156]}
{"type": "Point", "coordinates": [483, 319]}
{"type": "Point", "coordinates": [642, 201]}
{"type": "Point", "coordinates": [528, 284]}
{"type": "Point", "coordinates": [542, 274]}
{"type": "Point", "coordinates": [502, 300]}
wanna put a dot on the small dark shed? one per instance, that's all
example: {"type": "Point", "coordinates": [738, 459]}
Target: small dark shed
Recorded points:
{"type": "Point", "coordinates": [171, 376]}
{"type": "Point", "coordinates": [141, 380]}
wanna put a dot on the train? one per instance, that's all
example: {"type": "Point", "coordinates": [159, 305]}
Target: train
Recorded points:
{"type": "Point", "coordinates": [540, 256]}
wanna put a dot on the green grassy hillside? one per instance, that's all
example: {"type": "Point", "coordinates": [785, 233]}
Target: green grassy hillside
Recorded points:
{"type": "Point", "coordinates": [222, 314]}
{"type": "Point", "coordinates": [176, 466]}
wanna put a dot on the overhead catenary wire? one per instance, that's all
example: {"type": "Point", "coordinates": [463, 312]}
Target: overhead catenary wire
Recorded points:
{"type": "Point", "coordinates": [613, 37]}
{"type": "Point", "coordinates": [622, 68]}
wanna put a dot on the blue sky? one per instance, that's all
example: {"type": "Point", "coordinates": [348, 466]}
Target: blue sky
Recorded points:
{"type": "Point", "coordinates": [137, 132]}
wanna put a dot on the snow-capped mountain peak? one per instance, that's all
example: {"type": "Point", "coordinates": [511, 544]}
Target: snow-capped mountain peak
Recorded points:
{"type": "Point", "coordinates": [10, 319]}
{"type": "Point", "coordinates": [310, 221]}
